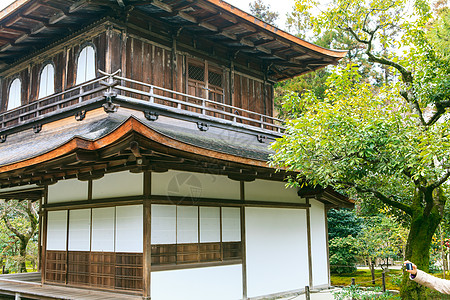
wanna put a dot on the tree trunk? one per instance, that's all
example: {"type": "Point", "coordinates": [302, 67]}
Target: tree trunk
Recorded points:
{"type": "Point", "coordinates": [23, 255]}
{"type": "Point", "coordinates": [372, 269]}
{"type": "Point", "coordinates": [418, 250]}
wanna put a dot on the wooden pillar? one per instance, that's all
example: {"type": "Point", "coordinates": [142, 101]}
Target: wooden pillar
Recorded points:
{"type": "Point", "coordinates": [243, 246]}
{"type": "Point", "coordinates": [232, 98]}
{"type": "Point", "coordinates": [147, 249]}
{"type": "Point", "coordinates": [174, 66]}
{"type": "Point", "coordinates": [308, 228]}
{"type": "Point", "coordinates": [327, 244]}
{"type": "Point", "coordinates": [124, 55]}
{"type": "Point", "coordinates": [65, 70]}
{"type": "Point", "coordinates": [67, 246]}
{"type": "Point", "coordinates": [44, 222]}
{"type": "Point", "coordinates": [108, 56]}
{"type": "Point", "coordinates": [40, 235]}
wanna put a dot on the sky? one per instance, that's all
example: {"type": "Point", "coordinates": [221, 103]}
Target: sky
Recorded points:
{"type": "Point", "coordinates": [280, 6]}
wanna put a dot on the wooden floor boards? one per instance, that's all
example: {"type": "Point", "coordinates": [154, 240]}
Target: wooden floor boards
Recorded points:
{"type": "Point", "coordinates": [26, 286]}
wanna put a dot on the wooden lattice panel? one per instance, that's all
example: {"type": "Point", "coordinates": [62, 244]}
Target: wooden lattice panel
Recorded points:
{"type": "Point", "coordinates": [103, 269]}
{"type": "Point", "coordinates": [55, 266]}
{"type": "Point", "coordinates": [129, 271]}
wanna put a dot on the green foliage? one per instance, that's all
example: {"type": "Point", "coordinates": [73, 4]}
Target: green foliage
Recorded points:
{"type": "Point", "coordinates": [18, 235]}
{"type": "Point", "coordinates": [342, 223]}
{"type": "Point", "coordinates": [363, 277]}
{"type": "Point", "coordinates": [382, 238]}
{"type": "Point", "coordinates": [383, 142]}
{"type": "Point", "coordinates": [263, 12]}
{"type": "Point", "coordinates": [343, 254]}
{"type": "Point", "coordinates": [357, 293]}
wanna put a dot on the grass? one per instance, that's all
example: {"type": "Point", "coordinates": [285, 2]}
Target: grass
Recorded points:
{"type": "Point", "coordinates": [364, 278]}
{"type": "Point", "coordinates": [393, 280]}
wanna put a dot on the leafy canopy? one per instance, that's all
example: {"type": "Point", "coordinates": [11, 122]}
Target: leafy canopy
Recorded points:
{"type": "Point", "coordinates": [355, 138]}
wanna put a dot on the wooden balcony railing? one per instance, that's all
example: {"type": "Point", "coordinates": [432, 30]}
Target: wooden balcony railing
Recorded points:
{"type": "Point", "coordinates": [52, 104]}
{"type": "Point", "coordinates": [126, 89]}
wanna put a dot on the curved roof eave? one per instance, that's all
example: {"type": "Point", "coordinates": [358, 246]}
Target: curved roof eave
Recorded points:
{"type": "Point", "coordinates": [263, 25]}
{"type": "Point", "coordinates": [129, 126]}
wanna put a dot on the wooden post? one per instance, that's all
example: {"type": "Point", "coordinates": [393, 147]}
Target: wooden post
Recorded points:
{"type": "Point", "coordinates": [243, 246]}
{"type": "Point", "coordinates": [372, 270]}
{"type": "Point", "coordinates": [44, 215]}
{"type": "Point", "coordinates": [308, 232]}
{"type": "Point", "coordinates": [40, 214]}
{"type": "Point", "coordinates": [307, 293]}
{"type": "Point", "coordinates": [147, 249]}
{"type": "Point", "coordinates": [383, 279]}
{"type": "Point", "coordinates": [327, 244]}
{"type": "Point", "coordinates": [353, 283]}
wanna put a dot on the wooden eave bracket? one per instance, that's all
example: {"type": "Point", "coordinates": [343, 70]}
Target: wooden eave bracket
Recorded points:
{"type": "Point", "coordinates": [109, 106]}
{"type": "Point", "coordinates": [261, 138]}
{"type": "Point", "coordinates": [80, 115]}
{"type": "Point", "coordinates": [202, 126]}
{"type": "Point", "coordinates": [37, 128]}
{"type": "Point", "coordinates": [3, 138]}
{"type": "Point", "coordinates": [151, 115]}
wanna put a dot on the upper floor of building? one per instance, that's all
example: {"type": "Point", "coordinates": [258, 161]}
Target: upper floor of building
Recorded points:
{"type": "Point", "coordinates": [205, 57]}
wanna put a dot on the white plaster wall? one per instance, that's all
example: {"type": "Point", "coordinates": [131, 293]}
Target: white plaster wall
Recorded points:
{"type": "Point", "coordinates": [80, 230]}
{"type": "Point", "coordinates": [218, 283]}
{"type": "Point", "coordinates": [186, 184]}
{"type": "Point", "coordinates": [272, 191]}
{"type": "Point", "coordinates": [318, 244]}
{"type": "Point", "coordinates": [277, 255]}
{"type": "Point", "coordinates": [57, 230]}
{"type": "Point", "coordinates": [119, 184]}
{"type": "Point", "coordinates": [68, 190]}
{"type": "Point", "coordinates": [103, 229]}
{"type": "Point", "coordinates": [129, 228]}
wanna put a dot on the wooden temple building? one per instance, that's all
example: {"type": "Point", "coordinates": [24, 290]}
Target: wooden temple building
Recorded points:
{"type": "Point", "coordinates": [142, 128]}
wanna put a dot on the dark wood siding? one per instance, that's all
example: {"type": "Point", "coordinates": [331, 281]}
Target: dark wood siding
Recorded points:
{"type": "Point", "coordinates": [142, 60]}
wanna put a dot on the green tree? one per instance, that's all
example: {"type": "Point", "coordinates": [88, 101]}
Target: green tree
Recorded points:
{"type": "Point", "coordinates": [377, 147]}
{"type": "Point", "coordinates": [343, 254]}
{"type": "Point", "coordinates": [343, 222]}
{"type": "Point", "coordinates": [381, 238]}
{"type": "Point", "coordinates": [263, 12]}
{"type": "Point", "coordinates": [20, 222]}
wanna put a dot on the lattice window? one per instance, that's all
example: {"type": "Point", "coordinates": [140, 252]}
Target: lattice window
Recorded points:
{"type": "Point", "coordinates": [196, 72]}
{"type": "Point", "coordinates": [215, 78]}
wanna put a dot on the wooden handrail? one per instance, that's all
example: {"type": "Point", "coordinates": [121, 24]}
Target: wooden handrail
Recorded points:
{"type": "Point", "coordinates": [113, 83]}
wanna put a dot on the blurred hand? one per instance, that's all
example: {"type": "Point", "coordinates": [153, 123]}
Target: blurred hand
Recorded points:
{"type": "Point", "coordinates": [414, 268]}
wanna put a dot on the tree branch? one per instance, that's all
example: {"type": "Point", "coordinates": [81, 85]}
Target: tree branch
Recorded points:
{"type": "Point", "coordinates": [386, 200]}
{"type": "Point", "coordinates": [10, 227]}
{"type": "Point", "coordinates": [441, 180]}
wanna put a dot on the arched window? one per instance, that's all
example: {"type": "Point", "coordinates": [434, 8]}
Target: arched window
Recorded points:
{"type": "Point", "coordinates": [86, 65]}
{"type": "Point", "coordinates": [15, 95]}
{"type": "Point", "coordinates": [47, 81]}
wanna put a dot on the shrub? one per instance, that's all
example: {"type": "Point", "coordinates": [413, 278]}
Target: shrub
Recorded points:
{"type": "Point", "coordinates": [343, 255]}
